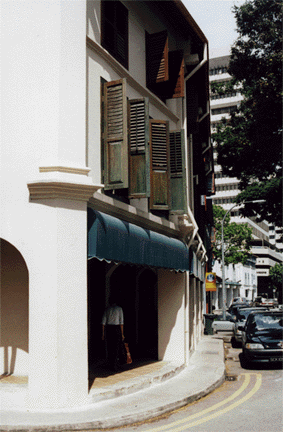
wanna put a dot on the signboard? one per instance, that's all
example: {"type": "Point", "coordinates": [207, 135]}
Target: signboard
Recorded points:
{"type": "Point", "coordinates": [210, 281]}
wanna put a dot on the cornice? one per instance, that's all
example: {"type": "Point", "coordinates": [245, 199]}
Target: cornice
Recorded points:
{"type": "Point", "coordinates": [61, 190]}
{"type": "Point", "coordinates": [62, 182]}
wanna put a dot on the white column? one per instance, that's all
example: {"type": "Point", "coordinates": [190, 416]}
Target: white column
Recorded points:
{"type": "Point", "coordinates": [43, 145]}
{"type": "Point", "coordinates": [58, 367]}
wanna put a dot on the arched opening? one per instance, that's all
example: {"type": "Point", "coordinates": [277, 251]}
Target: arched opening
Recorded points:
{"type": "Point", "coordinates": [14, 310]}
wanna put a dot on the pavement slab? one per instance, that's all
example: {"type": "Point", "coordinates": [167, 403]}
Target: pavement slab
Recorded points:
{"type": "Point", "coordinates": [141, 397]}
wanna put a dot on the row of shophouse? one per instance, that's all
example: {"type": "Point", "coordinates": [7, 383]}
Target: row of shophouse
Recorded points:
{"type": "Point", "coordinates": [106, 163]}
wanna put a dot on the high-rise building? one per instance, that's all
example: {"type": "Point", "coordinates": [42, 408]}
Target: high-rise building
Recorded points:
{"type": "Point", "coordinates": [252, 278]}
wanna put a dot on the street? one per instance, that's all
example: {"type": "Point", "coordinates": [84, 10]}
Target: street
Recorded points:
{"type": "Point", "coordinates": [250, 399]}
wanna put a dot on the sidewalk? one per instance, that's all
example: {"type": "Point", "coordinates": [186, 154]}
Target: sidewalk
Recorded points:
{"type": "Point", "coordinates": [143, 393]}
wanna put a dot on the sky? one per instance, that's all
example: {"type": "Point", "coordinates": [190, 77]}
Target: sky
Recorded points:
{"type": "Point", "coordinates": [217, 22]}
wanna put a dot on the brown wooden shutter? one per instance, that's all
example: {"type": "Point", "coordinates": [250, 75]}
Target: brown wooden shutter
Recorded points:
{"type": "Point", "coordinates": [159, 165]}
{"type": "Point", "coordinates": [176, 83]}
{"type": "Point", "coordinates": [139, 182]}
{"type": "Point", "coordinates": [116, 163]}
{"type": "Point", "coordinates": [177, 171]}
{"type": "Point", "coordinates": [156, 58]}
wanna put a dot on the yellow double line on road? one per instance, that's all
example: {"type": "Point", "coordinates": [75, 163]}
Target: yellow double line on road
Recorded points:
{"type": "Point", "coordinates": [188, 420]}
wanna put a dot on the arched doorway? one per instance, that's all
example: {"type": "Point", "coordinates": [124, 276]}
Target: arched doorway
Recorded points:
{"type": "Point", "coordinates": [14, 310]}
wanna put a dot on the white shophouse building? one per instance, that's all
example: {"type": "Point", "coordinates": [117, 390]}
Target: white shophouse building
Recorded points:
{"type": "Point", "coordinates": [105, 118]}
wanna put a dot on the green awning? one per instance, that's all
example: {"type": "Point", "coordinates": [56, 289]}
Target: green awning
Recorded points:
{"type": "Point", "coordinates": [113, 239]}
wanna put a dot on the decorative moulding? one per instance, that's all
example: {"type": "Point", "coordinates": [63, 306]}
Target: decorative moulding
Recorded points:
{"type": "Point", "coordinates": [60, 190]}
{"type": "Point", "coordinates": [65, 169]}
{"type": "Point", "coordinates": [63, 182]}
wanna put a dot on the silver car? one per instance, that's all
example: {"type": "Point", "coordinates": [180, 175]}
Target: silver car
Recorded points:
{"type": "Point", "coordinates": [219, 324]}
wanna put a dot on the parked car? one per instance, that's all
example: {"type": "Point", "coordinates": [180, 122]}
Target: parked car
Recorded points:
{"type": "Point", "coordinates": [219, 324]}
{"type": "Point", "coordinates": [237, 300]}
{"type": "Point", "coordinates": [233, 309]}
{"type": "Point", "coordinates": [241, 316]}
{"type": "Point", "coordinates": [262, 337]}
{"type": "Point", "coordinates": [264, 301]}
{"type": "Point", "coordinates": [271, 302]}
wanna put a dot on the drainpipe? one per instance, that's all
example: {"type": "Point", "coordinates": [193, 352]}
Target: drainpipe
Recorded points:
{"type": "Point", "coordinates": [205, 59]}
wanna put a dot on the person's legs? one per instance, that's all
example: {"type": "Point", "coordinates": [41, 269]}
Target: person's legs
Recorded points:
{"type": "Point", "coordinates": [113, 344]}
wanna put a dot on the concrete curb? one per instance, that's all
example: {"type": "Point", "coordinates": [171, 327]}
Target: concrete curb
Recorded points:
{"type": "Point", "coordinates": [135, 384]}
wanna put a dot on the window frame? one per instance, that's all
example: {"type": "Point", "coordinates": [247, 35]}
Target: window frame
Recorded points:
{"type": "Point", "coordinates": [114, 24]}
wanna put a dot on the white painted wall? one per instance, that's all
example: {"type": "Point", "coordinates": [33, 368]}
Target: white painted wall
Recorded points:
{"type": "Point", "coordinates": [43, 123]}
{"type": "Point", "coordinates": [171, 318]}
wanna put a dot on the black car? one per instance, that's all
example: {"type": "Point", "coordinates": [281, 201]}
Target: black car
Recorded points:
{"type": "Point", "coordinates": [240, 319]}
{"type": "Point", "coordinates": [262, 337]}
{"type": "Point", "coordinates": [233, 309]}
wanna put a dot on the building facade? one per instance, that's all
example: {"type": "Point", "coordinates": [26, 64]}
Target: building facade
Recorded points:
{"type": "Point", "coordinates": [105, 164]}
{"type": "Point", "coordinates": [252, 278]}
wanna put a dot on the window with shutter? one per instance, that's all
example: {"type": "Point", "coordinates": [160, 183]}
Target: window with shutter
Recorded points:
{"type": "Point", "coordinates": [114, 30]}
{"type": "Point", "coordinates": [116, 143]}
{"type": "Point", "coordinates": [139, 184]}
{"type": "Point", "coordinates": [159, 165]}
{"type": "Point", "coordinates": [156, 58]}
{"type": "Point", "coordinates": [177, 171]}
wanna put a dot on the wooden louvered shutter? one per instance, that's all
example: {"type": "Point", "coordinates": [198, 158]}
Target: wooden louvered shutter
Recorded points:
{"type": "Point", "coordinates": [116, 169]}
{"type": "Point", "coordinates": [139, 182]}
{"type": "Point", "coordinates": [156, 58]}
{"type": "Point", "coordinates": [176, 74]}
{"type": "Point", "coordinates": [177, 171]}
{"type": "Point", "coordinates": [159, 165]}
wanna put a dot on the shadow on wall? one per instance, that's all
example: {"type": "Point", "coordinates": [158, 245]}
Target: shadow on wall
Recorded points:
{"type": "Point", "coordinates": [14, 306]}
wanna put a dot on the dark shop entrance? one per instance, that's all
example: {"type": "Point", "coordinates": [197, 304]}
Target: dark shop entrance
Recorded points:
{"type": "Point", "coordinates": [136, 289]}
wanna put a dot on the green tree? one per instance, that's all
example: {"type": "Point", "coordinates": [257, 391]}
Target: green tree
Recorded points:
{"type": "Point", "coordinates": [249, 145]}
{"type": "Point", "coordinates": [237, 238]}
{"type": "Point", "coordinates": [276, 274]}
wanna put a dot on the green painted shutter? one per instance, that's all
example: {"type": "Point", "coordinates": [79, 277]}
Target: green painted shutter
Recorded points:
{"type": "Point", "coordinates": [139, 182]}
{"type": "Point", "coordinates": [157, 66]}
{"type": "Point", "coordinates": [159, 165]}
{"type": "Point", "coordinates": [177, 171]}
{"type": "Point", "coordinates": [116, 161]}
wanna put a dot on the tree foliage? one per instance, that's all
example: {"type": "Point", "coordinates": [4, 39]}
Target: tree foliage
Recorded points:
{"type": "Point", "coordinates": [249, 145]}
{"type": "Point", "coordinates": [237, 238]}
{"type": "Point", "coordinates": [276, 274]}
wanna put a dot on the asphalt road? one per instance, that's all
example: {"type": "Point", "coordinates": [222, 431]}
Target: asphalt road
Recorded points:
{"type": "Point", "coordinates": [249, 400]}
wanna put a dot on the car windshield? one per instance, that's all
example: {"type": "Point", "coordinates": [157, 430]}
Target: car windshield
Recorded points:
{"type": "Point", "coordinates": [267, 322]}
{"type": "Point", "coordinates": [242, 315]}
